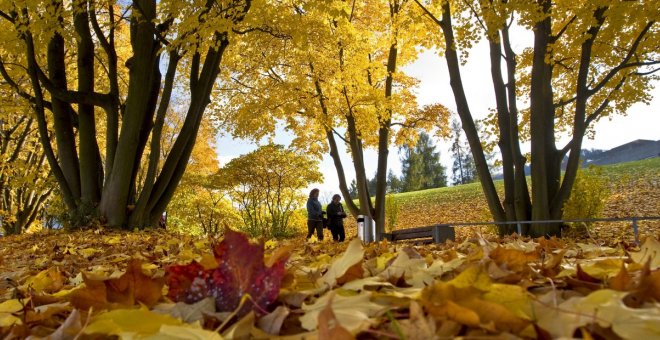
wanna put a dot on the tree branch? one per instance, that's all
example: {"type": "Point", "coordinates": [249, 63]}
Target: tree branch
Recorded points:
{"type": "Point", "coordinates": [433, 17]}
{"type": "Point", "coordinates": [73, 97]}
{"type": "Point", "coordinates": [18, 89]}
{"type": "Point", "coordinates": [624, 62]}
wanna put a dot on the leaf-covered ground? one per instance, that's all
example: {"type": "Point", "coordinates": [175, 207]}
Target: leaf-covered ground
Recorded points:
{"type": "Point", "coordinates": [634, 190]}
{"type": "Point", "coordinates": [103, 284]}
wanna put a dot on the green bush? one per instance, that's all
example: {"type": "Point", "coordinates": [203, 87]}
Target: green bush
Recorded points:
{"type": "Point", "coordinates": [588, 196]}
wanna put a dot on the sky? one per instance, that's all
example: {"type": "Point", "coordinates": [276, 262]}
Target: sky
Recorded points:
{"type": "Point", "coordinates": [641, 122]}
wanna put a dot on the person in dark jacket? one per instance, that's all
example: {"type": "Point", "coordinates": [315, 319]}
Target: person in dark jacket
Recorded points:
{"type": "Point", "coordinates": [314, 215]}
{"type": "Point", "coordinates": [336, 217]}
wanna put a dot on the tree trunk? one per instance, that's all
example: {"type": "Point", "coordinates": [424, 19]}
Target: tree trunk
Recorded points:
{"type": "Point", "coordinates": [522, 203]}
{"type": "Point", "coordinates": [364, 198]}
{"type": "Point", "coordinates": [334, 150]}
{"type": "Point", "coordinates": [503, 117]}
{"type": "Point", "coordinates": [384, 141]}
{"type": "Point", "coordinates": [543, 151]}
{"type": "Point", "coordinates": [63, 122]}
{"type": "Point", "coordinates": [91, 171]}
{"type": "Point", "coordinates": [117, 187]}
{"type": "Point", "coordinates": [467, 122]}
{"type": "Point", "coordinates": [580, 119]}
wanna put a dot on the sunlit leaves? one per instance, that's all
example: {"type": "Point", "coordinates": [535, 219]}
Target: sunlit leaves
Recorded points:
{"type": "Point", "coordinates": [461, 292]}
{"type": "Point", "coordinates": [266, 185]}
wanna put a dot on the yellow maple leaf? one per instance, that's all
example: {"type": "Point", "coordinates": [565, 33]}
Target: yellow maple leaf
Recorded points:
{"type": "Point", "coordinates": [129, 322]}
{"type": "Point", "coordinates": [12, 306]}
{"type": "Point", "coordinates": [49, 280]}
{"type": "Point", "coordinates": [347, 263]}
{"type": "Point", "coordinates": [7, 319]}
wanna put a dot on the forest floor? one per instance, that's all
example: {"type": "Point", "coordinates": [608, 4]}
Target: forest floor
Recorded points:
{"type": "Point", "coordinates": [161, 285]}
{"type": "Point", "coordinates": [99, 284]}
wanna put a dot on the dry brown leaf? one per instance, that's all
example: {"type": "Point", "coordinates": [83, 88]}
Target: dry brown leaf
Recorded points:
{"type": "Point", "coordinates": [418, 326]}
{"type": "Point", "coordinates": [622, 281]}
{"type": "Point", "coordinates": [127, 290]}
{"type": "Point", "coordinates": [514, 259]}
{"type": "Point", "coordinates": [134, 286]}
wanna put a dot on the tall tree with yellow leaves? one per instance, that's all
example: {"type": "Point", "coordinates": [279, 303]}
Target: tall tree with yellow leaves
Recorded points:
{"type": "Point", "coordinates": [589, 60]}
{"type": "Point", "coordinates": [331, 73]}
{"type": "Point", "coordinates": [200, 204]}
{"type": "Point", "coordinates": [184, 37]}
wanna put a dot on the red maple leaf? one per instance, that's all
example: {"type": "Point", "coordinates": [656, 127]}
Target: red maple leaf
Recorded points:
{"type": "Point", "coordinates": [241, 270]}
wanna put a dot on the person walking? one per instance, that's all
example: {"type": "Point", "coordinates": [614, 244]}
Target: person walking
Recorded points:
{"type": "Point", "coordinates": [314, 215]}
{"type": "Point", "coordinates": [336, 217]}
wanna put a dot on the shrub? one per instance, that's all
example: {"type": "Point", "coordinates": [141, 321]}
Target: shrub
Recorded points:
{"type": "Point", "coordinates": [391, 212]}
{"type": "Point", "coordinates": [588, 196]}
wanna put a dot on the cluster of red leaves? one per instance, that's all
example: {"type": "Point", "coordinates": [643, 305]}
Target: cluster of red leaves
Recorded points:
{"type": "Point", "coordinates": [241, 271]}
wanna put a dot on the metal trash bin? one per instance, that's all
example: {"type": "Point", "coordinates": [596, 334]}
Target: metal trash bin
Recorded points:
{"type": "Point", "coordinates": [366, 228]}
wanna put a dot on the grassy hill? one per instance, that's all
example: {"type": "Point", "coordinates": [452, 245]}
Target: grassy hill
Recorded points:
{"type": "Point", "coordinates": [634, 191]}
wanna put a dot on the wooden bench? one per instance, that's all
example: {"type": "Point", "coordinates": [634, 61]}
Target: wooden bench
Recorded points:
{"type": "Point", "coordinates": [438, 233]}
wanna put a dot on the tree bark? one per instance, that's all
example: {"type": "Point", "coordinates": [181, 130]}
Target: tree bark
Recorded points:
{"type": "Point", "coordinates": [580, 118]}
{"type": "Point", "coordinates": [469, 127]}
{"type": "Point", "coordinates": [63, 120]}
{"type": "Point", "coordinates": [364, 198]}
{"type": "Point", "coordinates": [543, 151]}
{"type": "Point", "coordinates": [117, 187]}
{"type": "Point", "coordinates": [91, 171]}
{"type": "Point", "coordinates": [384, 139]}
{"type": "Point", "coordinates": [504, 143]}
{"type": "Point", "coordinates": [523, 204]}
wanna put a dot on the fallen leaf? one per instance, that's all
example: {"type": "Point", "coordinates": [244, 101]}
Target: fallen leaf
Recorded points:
{"type": "Point", "coordinates": [187, 312]}
{"type": "Point", "coordinates": [349, 262]}
{"type": "Point", "coordinates": [45, 312]}
{"type": "Point", "coordinates": [173, 332]}
{"type": "Point", "coordinates": [129, 323]}
{"type": "Point", "coordinates": [13, 305]}
{"type": "Point", "coordinates": [329, 327]}
{"type": "Point", "coordinates": [240, 271]}
{"type": "Point", "coordinates": [271, 323]}
{"type": "Point", "coordinates": [7, 320]}
{"type": "Point", "coordinates": [513, 259]}
{"type": "Point", "coordinates": [439, 301]}
{"type": "Point", "coordinates": [127, 290]}
{"type": "Point", "coordinates": [621, 281]}
{"type": "Point", "coordinates": [418, 326]}
{"type": "Point", "coordinates": [352, 312]}
{"type": "Point", "coordinates": [134, 286]}
{"type": "Point", "coordinates": [650, 250]}
{"type": "Point", "coordinates": [402, 267]}
{"type": "Point", "coordinates": [241, 329]}
{"type": "Point", "coordinates": [69, 329]}
{"type": "Point", "coordinates": [46, 281]}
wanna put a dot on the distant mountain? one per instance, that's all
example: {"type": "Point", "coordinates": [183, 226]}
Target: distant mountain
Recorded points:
{"type": "Point", "coordinates": [633, 151]}
{"type": "Point", "coordinates": [629, 152]}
